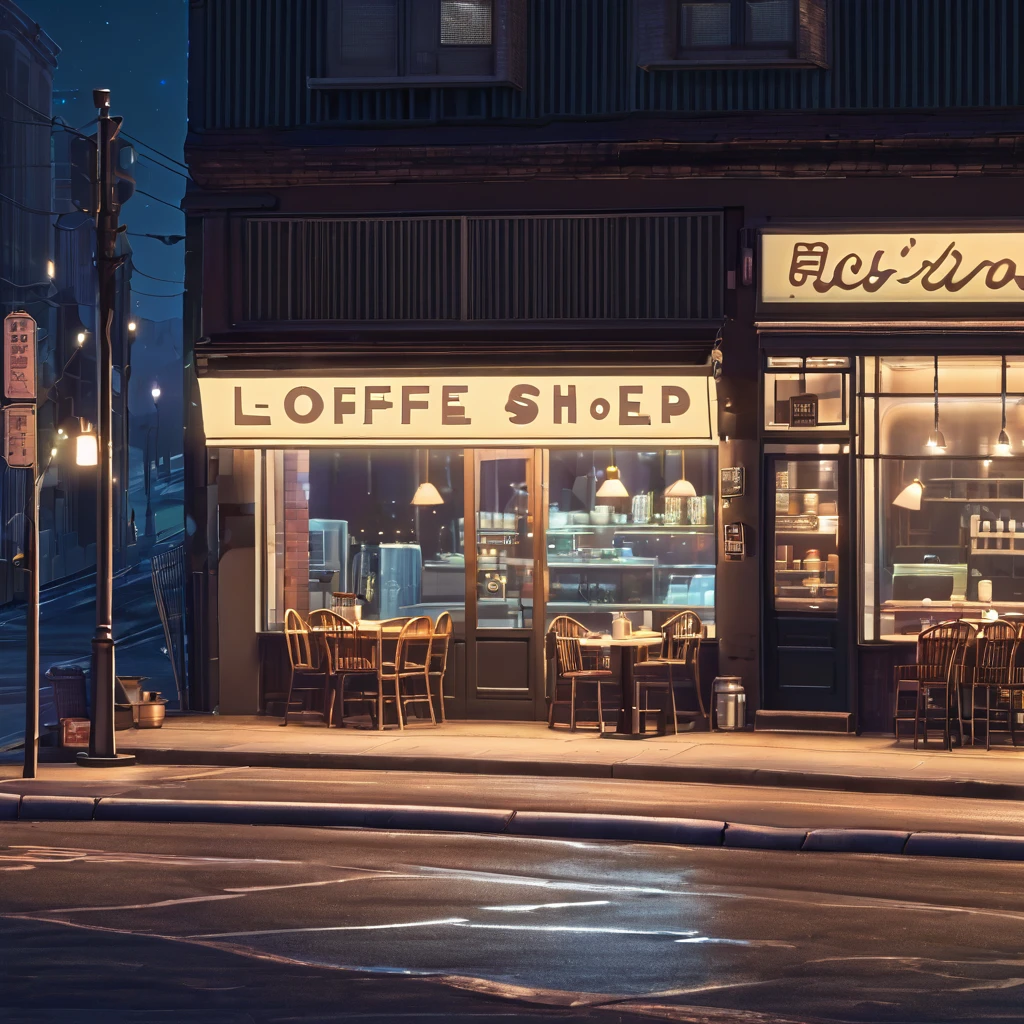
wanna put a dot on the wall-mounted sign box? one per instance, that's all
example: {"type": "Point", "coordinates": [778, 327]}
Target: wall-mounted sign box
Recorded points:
{"type": "Point", "coordinates": [929, 267]}
{"type": "Point", "coordinates": [513, 407]}
{"type": "Point", "coordinates": [19, 357]}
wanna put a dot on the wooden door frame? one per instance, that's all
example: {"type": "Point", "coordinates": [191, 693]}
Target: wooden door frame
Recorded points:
{"type": "Point", "coordinates": [537, 460]}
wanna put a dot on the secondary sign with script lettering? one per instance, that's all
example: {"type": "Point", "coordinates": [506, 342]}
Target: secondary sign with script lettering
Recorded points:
{"type": "Point", "coordinates": [892, 267]}
{"type": "Point", "coordinates": [543, 407]}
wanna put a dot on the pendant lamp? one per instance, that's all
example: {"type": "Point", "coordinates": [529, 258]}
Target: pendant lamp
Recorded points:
{"type": "Point", "coordinates": [1003, 441]}
{"type": "Point", "coordinates": [427, 493]}
{"type": "Point", "coordinates": [612, 487]}
{"type": "Point", "coordinates": [936, 441]}
{"type": "Point", "coordinates": [910, 497]}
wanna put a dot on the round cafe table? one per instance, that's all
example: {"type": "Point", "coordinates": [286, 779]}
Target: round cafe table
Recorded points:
{"type": "Point", "coordinates": [629, 652]}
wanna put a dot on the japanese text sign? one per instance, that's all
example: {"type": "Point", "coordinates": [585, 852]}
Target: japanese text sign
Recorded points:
{"type": "Point", "coordinates": [20, 357]}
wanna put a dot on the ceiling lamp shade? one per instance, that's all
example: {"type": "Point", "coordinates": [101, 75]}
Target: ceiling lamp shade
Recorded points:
{"type": "Point", "coordinates": [612, 487]}
{"type": "Point", "coordinates": [682, 488]}
{"type": "Point", "coordinates": [910, 497]}
{"type": "Point", "coordinates": [936, 441]}
{"type": "Point", "coordinates": [427, 494]}
{"type": "Point", "coordinates": [1003, 441]}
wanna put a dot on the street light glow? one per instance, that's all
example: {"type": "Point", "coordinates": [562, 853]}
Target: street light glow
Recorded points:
{"type": "Point", "coordinates": [81, 337]}
{"type": "Point", "coordinates": [155, 392]}
{"type": "Point", "coordinates": [87, 452]}
{"type": "Point", "coordinates": [51, 270]}
{"type": "Point", "coordinates": [132, 325]}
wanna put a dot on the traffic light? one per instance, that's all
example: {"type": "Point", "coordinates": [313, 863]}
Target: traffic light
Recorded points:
{"type": "Point", "coordinates": [85, 195]}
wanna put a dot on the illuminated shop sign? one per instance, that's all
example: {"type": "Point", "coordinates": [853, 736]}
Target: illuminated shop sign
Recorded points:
{"type": "Point", "coordinates": [512, 408]}
{"type": "Point", "coordinates": [811, 267]}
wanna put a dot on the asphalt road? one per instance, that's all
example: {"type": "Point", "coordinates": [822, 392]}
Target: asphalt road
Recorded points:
{"type": "Point", "coordinates": [748, 805]}
{"type": "Point", "coordinates": [132, 922]}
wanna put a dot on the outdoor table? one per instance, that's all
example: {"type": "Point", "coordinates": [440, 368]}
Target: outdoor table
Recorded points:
{"type": "Point", "coordinates": [629, 653]}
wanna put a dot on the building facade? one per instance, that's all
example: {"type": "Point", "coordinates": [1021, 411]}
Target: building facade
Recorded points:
{"type": "Point", "coordinates": [523, 308]}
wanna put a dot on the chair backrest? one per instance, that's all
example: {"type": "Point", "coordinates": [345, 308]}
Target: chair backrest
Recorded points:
{"type": "Point", "coordinates": [995, 651]}
{"type": "Point", "coordinates": [334, 635]}
{"type": "Point", "coordinates": [296, 636]}
{"type": "Point", "coordinates": [941, 648]}
{"type": "Point", "coordinates": [326, 619]}
{"type": "Point", "coordinates": [414, 643]}
{"type": "Point", "coordinates": [565, 625]}
{"type": "Point", "coordinates": [681, 636]}
{"type": "Point", "coordinates": [440, 642]}
{"type": "Point", "coordinates": [569, 654]}
{"type": "Point", "coordinates": [396, 623]}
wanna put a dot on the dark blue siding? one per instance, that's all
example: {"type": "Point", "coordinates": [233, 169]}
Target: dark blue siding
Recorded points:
{"type": "Point", "coordinates": [884, 55]}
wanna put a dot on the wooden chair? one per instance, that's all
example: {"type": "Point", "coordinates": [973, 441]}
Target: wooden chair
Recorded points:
{"type": "Point", "coordinates": [931, 684]}
{"type": "Point", "coordinates": [440, 644]}
{"type": "Point", "coordinates": [408, 673]}
{"type": "Point", "coordinates": [571, 675]}
{"type": "Point", "coordinates": [998, 679]}
{"type": "Point", "coordinates": [678, 666]}
{"type": "Point", "coordinates": [351, 665]}
{"type": "Point", "coordinates": [307, 663]}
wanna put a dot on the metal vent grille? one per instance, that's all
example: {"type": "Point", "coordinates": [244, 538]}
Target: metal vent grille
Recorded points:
{"type": "Point", "coordinates": [359, 269]}
{"type": "Point", "coordinates": [624, 267]}
{"type": "Point", "coordinates": [602, 267]}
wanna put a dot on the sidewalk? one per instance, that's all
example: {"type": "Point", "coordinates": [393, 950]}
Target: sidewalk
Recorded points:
{"type": "Point", "coordinates": [844, 763]}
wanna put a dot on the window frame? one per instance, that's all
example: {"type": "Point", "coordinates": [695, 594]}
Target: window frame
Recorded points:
{"type": "Point", "coordinates": [507, 49]}
{"type": "Point", "coordinates": [659, 39]}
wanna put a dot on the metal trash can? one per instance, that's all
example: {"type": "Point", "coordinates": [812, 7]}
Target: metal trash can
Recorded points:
{"type": "Point", "coordinates": [730, 703]}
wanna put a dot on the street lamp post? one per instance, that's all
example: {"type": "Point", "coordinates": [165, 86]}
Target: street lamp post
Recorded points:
{"type": "Point", "coordinates": [150, 530]}
{"type": "Point", "coordinates": [102, 751]}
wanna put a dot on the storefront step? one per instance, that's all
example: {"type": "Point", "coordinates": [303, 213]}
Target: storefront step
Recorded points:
{"type": "Point", "coordinates": [832, 722]}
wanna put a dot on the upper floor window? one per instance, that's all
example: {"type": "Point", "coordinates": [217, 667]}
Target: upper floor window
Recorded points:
{"type": "Point", "coordinates": [723, 33]}
{"type": "Point", "coordinates": [375, 43]}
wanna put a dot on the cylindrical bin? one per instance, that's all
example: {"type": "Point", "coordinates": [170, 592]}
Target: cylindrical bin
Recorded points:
{"type": "Point", "coordinates": [730, 703]}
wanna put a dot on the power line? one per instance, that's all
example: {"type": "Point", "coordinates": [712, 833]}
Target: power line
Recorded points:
{"type": "Point", "coordinates": [166, 239]}
{"type": "Point", "coordinates": [152, 295]}
{"type": "Point", "coordinates": [147, 159]}
{"type": "Point", "coordinates": [28, 209]}
{"type": "Point", "coordinates": [155, 150]}
{"type": "Point", "coordinates": [165, 280]}
{"type": "Point", "coordinates": [158, 200]}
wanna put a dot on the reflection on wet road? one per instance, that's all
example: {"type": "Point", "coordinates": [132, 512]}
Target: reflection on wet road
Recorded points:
{"type": "Point", "coordinates": [641, 928]}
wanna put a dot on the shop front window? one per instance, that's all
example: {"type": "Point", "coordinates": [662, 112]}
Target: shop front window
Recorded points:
{"type": "Point", "coordinates": [617, 542]}
{"type": "Point", "coordinates": [943, 523]}
{"type": "Point", "coordinates": [806, 393]}
{"type": "Point", "coordinates": [383, 523]}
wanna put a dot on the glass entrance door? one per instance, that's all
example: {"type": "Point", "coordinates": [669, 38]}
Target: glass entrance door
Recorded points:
{"type": "Point", "coordinates": [807, 611]}
{"type": "Point", "coordinates": [504, 625]}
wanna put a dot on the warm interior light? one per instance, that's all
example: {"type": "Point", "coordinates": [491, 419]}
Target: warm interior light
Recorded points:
{"type": "Point", "coordinates": [612, 487]}
{"type": "Point", "coordinates": [53, 453]}
{"type": "Point", "coordinates": [86, 451]}
{"type": "Point", "coordinates": [910, 497]}
{"type": "Point", "coordinates": [681, 489]}
{"type": "Point", "coordinates": [51, 270]}
{"type": "Point", "coordinates": [427, 494]}
{"type": "Point", "coordinates": [132, 325]}
{"type": "Point", "coordinates": [936, 440]}
{"type": "Point", "coordinates": [1003, 443]}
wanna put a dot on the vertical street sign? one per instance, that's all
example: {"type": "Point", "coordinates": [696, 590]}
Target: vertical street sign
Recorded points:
{"type": "Point", "coordinates": [19, 357]}
{"type": "Point", "coordinates": [20, 436]}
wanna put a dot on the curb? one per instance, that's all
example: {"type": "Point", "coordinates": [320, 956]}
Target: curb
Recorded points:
{"type": "Point", "coordinates": [532, 824]}
{"type": "Point", "coordinates": [705, 775]}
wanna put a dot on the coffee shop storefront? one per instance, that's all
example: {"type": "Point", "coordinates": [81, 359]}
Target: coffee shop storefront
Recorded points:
{"type": "Point", "coordinates": [503, 496]}
{"type": "Point", "coordinates": [892, 437]}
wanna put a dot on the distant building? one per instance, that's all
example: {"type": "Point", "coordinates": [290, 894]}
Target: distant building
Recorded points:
{"type": "Point", "coordinates": [28, 57]}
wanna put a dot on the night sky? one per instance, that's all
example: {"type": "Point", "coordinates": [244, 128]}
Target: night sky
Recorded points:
{"type": "Point", "coordinates": [137, 49]}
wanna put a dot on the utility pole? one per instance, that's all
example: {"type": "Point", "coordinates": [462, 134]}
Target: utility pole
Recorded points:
{"type": "Point", "coordinates": [102, 749]}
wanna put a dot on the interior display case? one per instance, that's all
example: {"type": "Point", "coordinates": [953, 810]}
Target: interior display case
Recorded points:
{"type": "Point", "coordinates": [631, 531]}
{"type": "Point", "coordinates": [807, 519]}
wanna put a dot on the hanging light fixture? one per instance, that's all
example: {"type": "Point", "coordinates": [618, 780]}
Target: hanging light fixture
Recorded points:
{"type": "Point", "coordinates": [910, 497]}
{"type": "Point", "coordinates": [681, 488]}
{"type": "Point", "coordinates": [1003, 441]}
{"type": "Point", "coordinates": [612, 487]}
{"type": "Point", "coordinates": [427, 493]}
{"type": "Point", "coordinates": [936, 441]}
{"type": "Point", "coordinates": [87, 452]}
